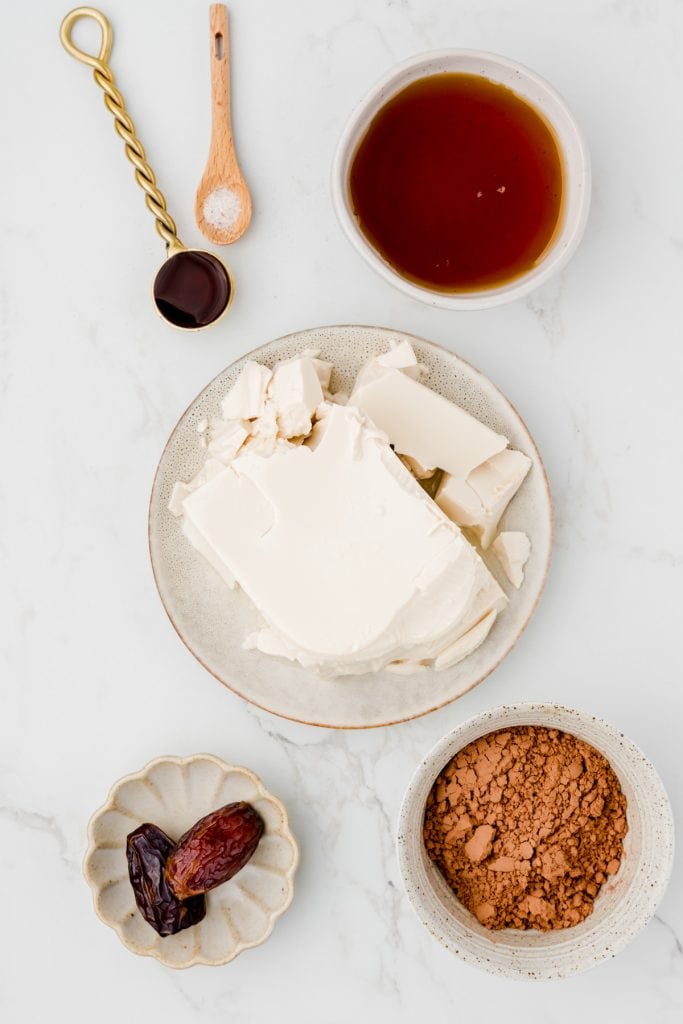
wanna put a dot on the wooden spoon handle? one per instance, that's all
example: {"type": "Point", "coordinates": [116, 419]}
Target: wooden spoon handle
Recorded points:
{"type": "Point", "coordinates": [222, 148]}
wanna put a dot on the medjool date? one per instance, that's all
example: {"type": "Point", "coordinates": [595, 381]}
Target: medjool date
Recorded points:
{"type": "Point", "coordinates": [214, 849]}
{"type": "Point", "coordinates": [147, 850]}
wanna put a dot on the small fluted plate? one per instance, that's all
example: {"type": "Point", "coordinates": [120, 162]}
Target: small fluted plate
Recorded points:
{"type": "Point", "coordinates": [173, 793]}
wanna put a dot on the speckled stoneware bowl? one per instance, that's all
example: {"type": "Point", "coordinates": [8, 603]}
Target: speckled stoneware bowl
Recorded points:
{"type": "Point", "coordinates": [213, 620]}
{"type": "Point", "coordinates": [623, 906]}
{"type": "Point", "coordinates": [173, 793]}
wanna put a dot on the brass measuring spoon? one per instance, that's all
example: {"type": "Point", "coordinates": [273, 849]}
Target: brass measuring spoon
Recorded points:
{"type": "Point", "coordinates": [193, 288]}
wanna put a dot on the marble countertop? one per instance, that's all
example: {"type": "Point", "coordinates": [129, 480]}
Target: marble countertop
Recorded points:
{"type": "Point", "coordinates": [94, 680]}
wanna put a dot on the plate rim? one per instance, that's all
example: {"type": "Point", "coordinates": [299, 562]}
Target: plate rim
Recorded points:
{"type": "Point", "coordinates": [252, 354]}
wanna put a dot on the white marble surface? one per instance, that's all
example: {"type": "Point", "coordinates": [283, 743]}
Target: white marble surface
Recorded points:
{"type": "Point", "coordinates": [94, 680]}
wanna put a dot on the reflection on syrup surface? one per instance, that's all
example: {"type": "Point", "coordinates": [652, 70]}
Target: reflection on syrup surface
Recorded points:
{"type": "Point", "coordinates": [457, 183]}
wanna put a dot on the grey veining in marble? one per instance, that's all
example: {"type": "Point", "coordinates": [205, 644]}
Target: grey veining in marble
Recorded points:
{"type": "Point", "coordinates": [95, 682]}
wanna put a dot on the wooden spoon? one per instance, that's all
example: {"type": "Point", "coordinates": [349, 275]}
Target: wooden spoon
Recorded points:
{"type": "Point", "coordinates": [223, 203]}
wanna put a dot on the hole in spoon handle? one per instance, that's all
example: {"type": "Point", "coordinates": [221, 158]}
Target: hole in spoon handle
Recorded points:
{"type": "Point", "coordinates": [218, 25]}
{"type": "Point", "coordinates": [220, 76]}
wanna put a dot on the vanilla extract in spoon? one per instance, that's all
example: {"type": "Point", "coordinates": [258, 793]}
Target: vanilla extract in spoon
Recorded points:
{"type": "Point", "coordinates": [193, 288]}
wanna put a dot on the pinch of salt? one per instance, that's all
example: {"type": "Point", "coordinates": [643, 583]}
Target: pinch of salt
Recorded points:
{"type": "Point", "coordinates": [222, 208]}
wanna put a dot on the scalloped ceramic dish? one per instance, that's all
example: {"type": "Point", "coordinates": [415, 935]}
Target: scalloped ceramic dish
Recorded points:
{"type": "Point", "coordinates": [213, 620]}
{"type": "Point", "coordinates": [623, 906]}
{"type": "Point", "coordinates": [173, 793]}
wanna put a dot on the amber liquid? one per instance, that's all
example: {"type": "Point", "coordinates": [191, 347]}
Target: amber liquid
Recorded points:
{"type": "Point", "coordinates": [457, 183]}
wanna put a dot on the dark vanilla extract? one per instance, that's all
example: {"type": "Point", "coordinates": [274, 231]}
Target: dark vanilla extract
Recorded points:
{"type": "Point", "coordinates": [457, 183]}
{"type": "Point", "coordinates": [192, 289]}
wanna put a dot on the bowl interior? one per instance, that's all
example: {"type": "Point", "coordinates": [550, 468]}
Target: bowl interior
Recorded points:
{"type": "Point", "coordinates": [531, 87]}
{"type": "Point", "coordinates": [623, 905]}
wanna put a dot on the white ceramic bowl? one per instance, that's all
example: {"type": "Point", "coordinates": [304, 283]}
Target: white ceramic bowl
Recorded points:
{"type": "Point", "coordinates": [623, 906]}
{"type": "Point", "coordinates": [173, 793]}
{"type": "Point", "coordinates": [542, 96]}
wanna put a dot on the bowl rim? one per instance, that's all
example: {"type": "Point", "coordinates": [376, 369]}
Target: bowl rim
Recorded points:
{"type": "Point", "coordinates": [489, 721]}
{"type": "Point", "coordinates": [109, 805]}
{"type": "Point", "coordinates": [303, 334]}
{"type": "Point", "coordinates": [552, 262]}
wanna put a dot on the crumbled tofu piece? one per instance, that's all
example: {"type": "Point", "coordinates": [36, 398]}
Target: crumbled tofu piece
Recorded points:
{"type": "Point", "coordinates": [178, 495]}
{"type": "Point", "coordinates": [322, 367]}
{"type": "Point", "coordinates": [399, 357]}
{"type": "Point", "coordinates": [512, 550]}
{"type": "Point", "coordinates": [295, 392]}
{"type": "Point", "coordinates": [226, 437]}
{"type": "Point", "coordinates": [479, 501]}
{"type": "Point", "coordinates": [264, 431]}
{"type": "Point", "coordinates": [247, 396]}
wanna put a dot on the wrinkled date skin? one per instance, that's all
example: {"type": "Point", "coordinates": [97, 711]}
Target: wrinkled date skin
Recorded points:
{"type": "Point", "coordinates": [214, 849]}
{"type": "Point", "coordinates": [147, 850]}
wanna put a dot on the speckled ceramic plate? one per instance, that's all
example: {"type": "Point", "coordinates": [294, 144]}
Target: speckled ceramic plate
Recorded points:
{"type": "Point", "coordinates": [173, 793]}
{"type": "Point", "coordinates": [623, 906]}
{"type": "Point", "coordinates": [213, 620]}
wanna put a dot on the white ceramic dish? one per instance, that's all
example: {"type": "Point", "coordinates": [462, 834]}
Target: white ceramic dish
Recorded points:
{"type": "Point", "coordinates": [213, 620]}
{"type": "Point", "coordinates": [623, 906]}
{"type": "Point", "coordinates": [173, 793]}
{"type": "Point", "coordinates": [541, 95]}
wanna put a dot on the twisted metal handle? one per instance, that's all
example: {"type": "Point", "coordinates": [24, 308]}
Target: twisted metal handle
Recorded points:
{"type": "Point", "coordinates": [104, 76]}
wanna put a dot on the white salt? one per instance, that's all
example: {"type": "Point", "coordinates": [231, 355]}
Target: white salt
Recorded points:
{"type": "Point", "coordinates": [222, 207]}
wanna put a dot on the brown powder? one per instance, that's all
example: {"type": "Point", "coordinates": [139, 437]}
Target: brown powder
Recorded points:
{"type": "Point", "coordinates": [526, 824]}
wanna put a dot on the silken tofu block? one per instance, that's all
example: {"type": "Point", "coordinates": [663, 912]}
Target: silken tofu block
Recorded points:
{"type": "Point", "coordinates": [425, 426]}
{"type": "Point", "coordinates": [348, 560]}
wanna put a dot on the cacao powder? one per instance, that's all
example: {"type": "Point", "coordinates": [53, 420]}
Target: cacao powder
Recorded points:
{"type": "Point", "coordinates": [526, 825]}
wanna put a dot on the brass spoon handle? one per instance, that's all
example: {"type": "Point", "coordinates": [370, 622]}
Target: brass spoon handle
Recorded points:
{"type": "Point", "coordinates": [104, 76]}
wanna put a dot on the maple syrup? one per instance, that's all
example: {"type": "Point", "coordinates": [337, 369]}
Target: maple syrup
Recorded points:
{"type": "Point", "coordinates": [457, 183]}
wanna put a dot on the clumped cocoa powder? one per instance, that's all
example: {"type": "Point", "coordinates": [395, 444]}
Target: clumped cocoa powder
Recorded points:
{"type": "Point", "coordinates": [526, 825]}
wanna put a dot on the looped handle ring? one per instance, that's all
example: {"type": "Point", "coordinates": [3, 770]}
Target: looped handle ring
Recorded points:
{"type": "Point", "coordinates": [75, 51]}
